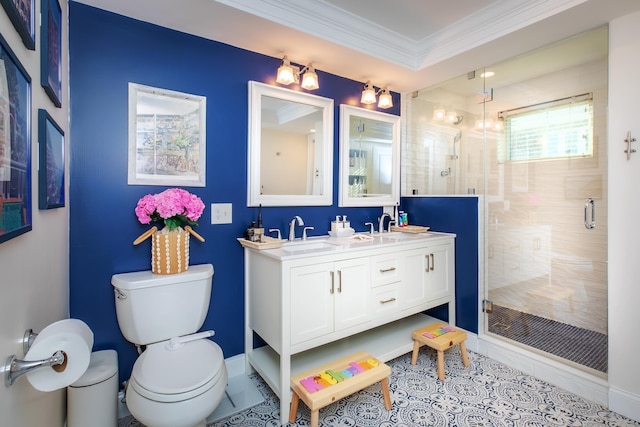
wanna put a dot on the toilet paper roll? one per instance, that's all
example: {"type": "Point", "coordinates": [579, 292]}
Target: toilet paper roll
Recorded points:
{"type": "Point", "coordinates": [71, 336]}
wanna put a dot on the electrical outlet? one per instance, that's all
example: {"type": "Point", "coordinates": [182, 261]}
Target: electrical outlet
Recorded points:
{"type": "Point", "coordinates": [220, 213]}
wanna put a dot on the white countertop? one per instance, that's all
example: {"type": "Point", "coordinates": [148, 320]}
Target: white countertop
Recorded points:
{"type": "Point", "coordinates": [323, 245]}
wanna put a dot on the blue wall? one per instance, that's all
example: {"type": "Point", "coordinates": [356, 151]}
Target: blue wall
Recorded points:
{"type": "Point", "coordinates": [457, 215]}
{"type": "Point", "coordinates": [108, 51]}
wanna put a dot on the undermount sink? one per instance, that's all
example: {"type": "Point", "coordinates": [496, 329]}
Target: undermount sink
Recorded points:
{"type": "Point", "coordinates": [305, 245]}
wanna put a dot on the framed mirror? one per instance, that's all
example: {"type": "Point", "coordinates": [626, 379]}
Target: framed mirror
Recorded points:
{"type": "Point", "coordinates": [369, 158]}
{"type": "Point", "coordinates": [290, 151]}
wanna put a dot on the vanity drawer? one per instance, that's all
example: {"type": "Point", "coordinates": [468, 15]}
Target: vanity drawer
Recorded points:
{"type": "Point", "coordinates": [384, 300]}
{"type": "Point", "coordinates": [385, 269]}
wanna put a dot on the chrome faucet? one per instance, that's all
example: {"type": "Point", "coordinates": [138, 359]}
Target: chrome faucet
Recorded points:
{"type": "Point", "coordinates": [304, 232]}
{"type": "Point", "coordinates": [292, 227]}
{"type": "Point", "coordinates": [381, 222]}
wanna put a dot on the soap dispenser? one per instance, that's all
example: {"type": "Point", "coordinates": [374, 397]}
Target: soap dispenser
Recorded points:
{"type": "Point", "coordinates": [336, 225]}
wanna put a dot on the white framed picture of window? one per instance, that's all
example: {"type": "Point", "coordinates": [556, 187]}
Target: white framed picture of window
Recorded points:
{"type": "Point", "coordinates": [167, 137]}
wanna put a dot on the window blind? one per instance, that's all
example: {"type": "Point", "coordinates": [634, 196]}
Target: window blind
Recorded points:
{"type": "Point", "coordinates": [557, 131]}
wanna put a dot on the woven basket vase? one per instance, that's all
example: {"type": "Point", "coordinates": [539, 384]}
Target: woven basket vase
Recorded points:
{"type": "Point", "coordinates": [170, 252]}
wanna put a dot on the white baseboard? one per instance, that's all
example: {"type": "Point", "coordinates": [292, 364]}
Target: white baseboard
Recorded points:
{"type": "Point", "coordinates": [235, 365]}
{"type": "Point", "coordinates": [624, 403]}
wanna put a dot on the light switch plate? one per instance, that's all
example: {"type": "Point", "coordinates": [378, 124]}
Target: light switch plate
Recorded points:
{"type": "Point", "coordinates": [221, 213]}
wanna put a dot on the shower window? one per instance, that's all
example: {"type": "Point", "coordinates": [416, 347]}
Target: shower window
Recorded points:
{"type": "Point", "coordinates": [559, 129]}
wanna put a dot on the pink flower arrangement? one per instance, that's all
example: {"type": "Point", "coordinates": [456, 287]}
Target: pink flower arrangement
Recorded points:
{"type": "Point", "coordinates": [174, 206]}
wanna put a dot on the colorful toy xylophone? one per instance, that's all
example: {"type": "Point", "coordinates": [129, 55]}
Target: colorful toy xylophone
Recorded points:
{"type": "Point", "coordinates": [329, 377]}
{"type": "Point", "coordinates": [439, 332]}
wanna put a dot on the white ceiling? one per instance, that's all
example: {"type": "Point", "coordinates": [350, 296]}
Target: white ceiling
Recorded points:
{"type": "Point", "coordinates": [405, 44]}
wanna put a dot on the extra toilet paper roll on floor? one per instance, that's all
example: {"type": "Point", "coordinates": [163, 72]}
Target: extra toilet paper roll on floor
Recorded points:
{"type": "Point", "coordinates": [71, 336]}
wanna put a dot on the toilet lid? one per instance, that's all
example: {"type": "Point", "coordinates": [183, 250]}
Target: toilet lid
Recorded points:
{"type": "Point", "coordinates": [163, 371]}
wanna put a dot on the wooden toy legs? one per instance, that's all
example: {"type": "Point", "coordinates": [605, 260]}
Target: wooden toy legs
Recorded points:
{"type": "Point", "coordinates": [385, 392]}
{"type": "Point", "coordinates": [294, 407]}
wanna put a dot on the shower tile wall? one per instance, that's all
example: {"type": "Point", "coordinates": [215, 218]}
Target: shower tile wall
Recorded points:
{"type": "Point", "coordinates": [432, 163]}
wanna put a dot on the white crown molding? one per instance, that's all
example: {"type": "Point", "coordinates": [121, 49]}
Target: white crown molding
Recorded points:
{"type": "Point", "coordinates": [336, 25]}
{"type": "Point", "coordinates": [486, 25]}
{"type": "Point", "coordinates": [329, 22]}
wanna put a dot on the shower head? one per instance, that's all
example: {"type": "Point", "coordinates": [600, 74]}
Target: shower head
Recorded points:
{"type": "Point", "coordinates": [457, 137]}
{"type": "Point", "coordinates": [458, 120]}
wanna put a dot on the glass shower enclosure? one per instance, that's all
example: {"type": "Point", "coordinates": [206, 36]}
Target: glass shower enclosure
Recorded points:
{"type": "Point", "coordinates": [528, 137]}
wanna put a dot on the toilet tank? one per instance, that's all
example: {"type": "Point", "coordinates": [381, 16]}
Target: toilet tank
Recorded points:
{"type": "Point", "coordinates": [153, 307]}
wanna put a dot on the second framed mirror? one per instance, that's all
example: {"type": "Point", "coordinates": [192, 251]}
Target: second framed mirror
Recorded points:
{"type": "Point", "coordinates": [369, 158]}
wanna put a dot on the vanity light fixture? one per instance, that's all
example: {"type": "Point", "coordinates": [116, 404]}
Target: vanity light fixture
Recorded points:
{"type": "Point", "coordinates": [288, 74]}
{"type": "Point", "coordinates": [285, 75]}
{"type": "Point", "coordinates": [385, 99]}
{"type": "Point", "coordinates": [369, 95]}
{"type": "Point", "coordinates": [310, 78]}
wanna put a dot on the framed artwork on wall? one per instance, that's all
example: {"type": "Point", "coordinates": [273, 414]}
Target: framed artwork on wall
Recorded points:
{"type": "Point", "coordinates": [15, 145]}
{"type": "Point", "coordinates": [51, 50]}
{"type": "Point", "coordinates": [51, 162]}
{"type": "Point", "coordinates": [22, 16]}
{"type": "Point", "coordinates": [167, 137]}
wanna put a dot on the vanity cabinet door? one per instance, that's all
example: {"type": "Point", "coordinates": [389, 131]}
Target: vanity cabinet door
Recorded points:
{"type": "Point", "coordinates": [352, 278]}
{"type": "Point", "coordinates": [439, 279]}
{"type": "Point", "coordinates": [312, 294]}
{"type": "Point", "coordinates": [429, 275]}
{"type": "Point", "coordinates": [328, 297]}
{"type": "Point", "coordinates": [414, 285]}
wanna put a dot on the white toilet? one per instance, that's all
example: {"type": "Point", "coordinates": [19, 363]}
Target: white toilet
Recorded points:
{"type": "Point", "coordinates": [180, 377]}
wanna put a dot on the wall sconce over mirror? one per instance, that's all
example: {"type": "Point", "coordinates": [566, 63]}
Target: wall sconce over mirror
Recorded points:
{"type": "Point", "coordinates": [369, 96]}
{"type": "Point", "coordinates": [290, 148]}
{"type": "Point", "coordinates": [288, 74]}
{"type": "Point", "coordinates": [369, 158]}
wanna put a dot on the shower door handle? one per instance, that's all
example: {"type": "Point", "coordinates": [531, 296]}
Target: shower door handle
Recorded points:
{"type": "Point", "coordinates": [589, 225]}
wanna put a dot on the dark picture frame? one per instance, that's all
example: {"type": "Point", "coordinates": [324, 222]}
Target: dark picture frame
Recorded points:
{"type": "Point", "coordinates": [15, 145]}
{"type": "Point", "coordinates": [51, 189]}
{"type": "Point", "coordinates": [22, 16]}
{"type": "Point", "coordinates": [51, 50]}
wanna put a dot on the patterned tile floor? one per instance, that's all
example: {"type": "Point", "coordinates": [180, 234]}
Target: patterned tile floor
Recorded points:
{"type": "Point", "coordinates": [484, 394]}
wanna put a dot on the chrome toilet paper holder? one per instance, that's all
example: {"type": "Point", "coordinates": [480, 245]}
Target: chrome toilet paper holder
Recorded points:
{"type": "Point", "coordinates": [15, 367]}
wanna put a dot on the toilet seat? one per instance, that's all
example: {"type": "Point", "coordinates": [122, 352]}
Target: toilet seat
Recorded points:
{"type": "Point", "coordinates": [165, 375]}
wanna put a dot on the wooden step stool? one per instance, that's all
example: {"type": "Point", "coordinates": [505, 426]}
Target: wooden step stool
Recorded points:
{"type": "Point", "coordinates": [440, 337]}
{"type": "Point", "coordinates": [319, 393]}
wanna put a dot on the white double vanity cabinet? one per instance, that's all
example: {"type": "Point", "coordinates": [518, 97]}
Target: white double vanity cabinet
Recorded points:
{"type": "Point", "coordinates": [320, 299]}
